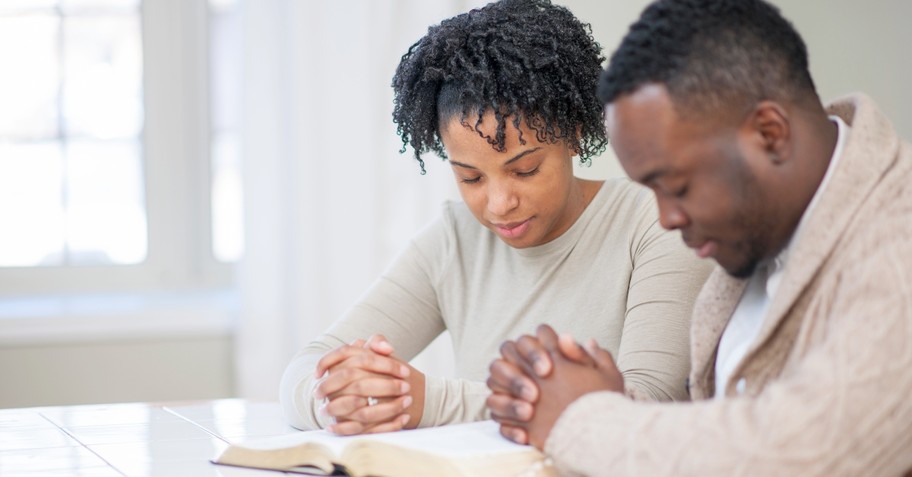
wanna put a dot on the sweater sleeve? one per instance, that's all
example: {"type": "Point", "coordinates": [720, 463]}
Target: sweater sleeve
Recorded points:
{"type": "Point", "coordinates": [842, 408]}
{"type": "Point", "coordinates": [452, 400]}
{"type": "Point", "coordinates": [654, 353]}
{"type": "Point", "coordinates": [401, 305]}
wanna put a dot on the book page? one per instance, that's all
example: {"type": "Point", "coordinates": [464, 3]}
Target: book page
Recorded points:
{"type": "Point", "coordinates": [455, 440]}
{"type": "Point", "coordinates": [474, 438]}
{"type": "Point", "coordinates": [334, 443]}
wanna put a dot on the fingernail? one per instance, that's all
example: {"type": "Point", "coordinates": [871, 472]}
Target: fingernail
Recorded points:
{"type": "Point", "coordinates": [539, 367]}
{"type": "Point", "coordinates": [525, 412]}
{"type": "Point", "coordinates": [407, 402]}
{"type": "Point", "coordinates": [404, 371]}
{"type": "Point", "coordinates": [527, 394]}
{"type": "Point", "coordinates": [404, 420]}
{"type": "Point", "coordinates": [404, 387]}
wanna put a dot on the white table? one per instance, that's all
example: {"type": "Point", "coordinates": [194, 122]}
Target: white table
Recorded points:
{"type": "Point", "coordinates": [135, 439]}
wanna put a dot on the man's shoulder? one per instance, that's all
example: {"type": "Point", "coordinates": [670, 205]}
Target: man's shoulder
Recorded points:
{"type": "Point", "coordinates": [879, 228]}
{"type": "Point", "coordinates": [880, 233]}
{"type": "Point", "coordinates": [886, 214]}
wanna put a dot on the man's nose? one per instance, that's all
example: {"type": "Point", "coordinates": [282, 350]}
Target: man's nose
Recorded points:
{"type": "Point", "coordinates": [671, 217]}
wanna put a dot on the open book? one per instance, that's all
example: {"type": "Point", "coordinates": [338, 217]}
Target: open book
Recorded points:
{"type": "Point", "coordinates": [458, 450]}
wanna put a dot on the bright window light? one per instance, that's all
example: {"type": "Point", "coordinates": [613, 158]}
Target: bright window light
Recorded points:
{"type": "Point", "coordinates": [71, 170]}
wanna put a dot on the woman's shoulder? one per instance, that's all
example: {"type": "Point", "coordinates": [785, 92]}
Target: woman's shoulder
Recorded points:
{"type": "Point", "coordinates": [458, 219]}
{"type": "Point", "coordinates": [621, 193]}
{"type": "Point", "coordinates": [622, 204]}
{"type": "Point", "coordinates": [454, 227]}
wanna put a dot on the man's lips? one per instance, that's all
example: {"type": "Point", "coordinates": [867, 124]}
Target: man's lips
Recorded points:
{"type": "Point", "coordinates": [704, 249]}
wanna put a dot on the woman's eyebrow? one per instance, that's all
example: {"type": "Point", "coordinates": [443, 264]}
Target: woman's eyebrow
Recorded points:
{"type": "Point", "coordinates": [508, 162]}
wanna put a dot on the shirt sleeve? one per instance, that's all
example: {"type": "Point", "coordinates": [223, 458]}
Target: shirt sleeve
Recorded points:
{"type": "Point", "coordinates": [402, 305]}
{"type": "Point", "coordinates": [842, 409]}
{"type": "Point", "coordinates": [654, 353]}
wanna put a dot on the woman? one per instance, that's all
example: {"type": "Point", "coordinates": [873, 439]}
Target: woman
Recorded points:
{"type": "Point", "coordinates": [507, 94]}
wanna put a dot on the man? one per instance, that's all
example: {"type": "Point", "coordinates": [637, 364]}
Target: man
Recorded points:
{"type": "Point", "coordinates": [801, 342]}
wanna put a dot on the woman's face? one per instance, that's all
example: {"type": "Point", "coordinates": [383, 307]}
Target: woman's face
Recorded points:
{"type": "Point", "coordinates": [526, 194]}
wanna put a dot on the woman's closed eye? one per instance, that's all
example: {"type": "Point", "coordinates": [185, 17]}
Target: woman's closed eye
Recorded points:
{"type": "Point", "coordinates": [528, 173]}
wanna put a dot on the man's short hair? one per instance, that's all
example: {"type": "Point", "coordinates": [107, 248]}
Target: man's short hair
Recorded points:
{"type": "Point", "coordinates": [711, 55]}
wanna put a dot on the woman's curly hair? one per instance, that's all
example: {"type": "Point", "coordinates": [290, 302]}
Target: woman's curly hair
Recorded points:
{"type": "Point", "coordinates": [526, 60]}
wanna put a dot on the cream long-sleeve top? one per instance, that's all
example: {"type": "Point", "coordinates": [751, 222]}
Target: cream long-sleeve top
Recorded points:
{"type": "Point", "coordinates": [824, 389]}
{"type": "Point", "coordinates": [614, 275]}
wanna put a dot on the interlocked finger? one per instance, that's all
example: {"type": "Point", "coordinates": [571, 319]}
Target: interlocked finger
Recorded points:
{"type": "Point", "coordinates": [507, 409]}
{"type": "Point", "coordinates": [360, 382]}
{"type": "Point", "coordinates": [349, 428]}
{"type": "Point", "coordinates": [385, 416]}
{"type": "Point", "coordinates": [382, 411]}
{"type": "Point", "coordinates": [357, 356]}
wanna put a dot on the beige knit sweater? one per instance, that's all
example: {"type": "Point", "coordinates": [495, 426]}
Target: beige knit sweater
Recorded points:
{"type": "Point", "coordinates": [828, 383]}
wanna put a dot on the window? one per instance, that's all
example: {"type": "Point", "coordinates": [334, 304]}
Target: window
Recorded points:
{"type": "Point", "coordinates": [71, 189]}
{"type": "Point", "coordinates": [118, 150]}
{"type": "Point", "coordinates": [224, 84]}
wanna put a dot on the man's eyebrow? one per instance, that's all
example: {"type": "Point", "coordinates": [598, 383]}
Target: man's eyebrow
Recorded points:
{"type": "Point", "coordinates": [652, 176]}
{"type": "Point", "coordinates": [508, 162]}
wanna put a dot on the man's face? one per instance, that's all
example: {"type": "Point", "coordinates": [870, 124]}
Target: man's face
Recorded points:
{"type": "Point", "coordinates": [708, 178]}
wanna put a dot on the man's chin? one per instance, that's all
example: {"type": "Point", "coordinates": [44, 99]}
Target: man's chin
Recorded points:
{"type": "Point", "coordinates": [740, 270]}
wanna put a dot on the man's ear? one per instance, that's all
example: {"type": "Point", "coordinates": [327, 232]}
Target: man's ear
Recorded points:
{"type": "Point", "coordinates": [772, 128]}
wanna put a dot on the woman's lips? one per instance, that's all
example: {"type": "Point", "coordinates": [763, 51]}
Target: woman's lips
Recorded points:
{"type": "Point", "coordinates": [512, 230]}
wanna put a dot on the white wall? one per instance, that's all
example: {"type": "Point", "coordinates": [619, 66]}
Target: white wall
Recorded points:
{"type": "Point", "coordinates": [859, 46]}
{"type": "Point", "coordinates": [125, 370]}
{"type": "Point", "coordinates": [853, 46]}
